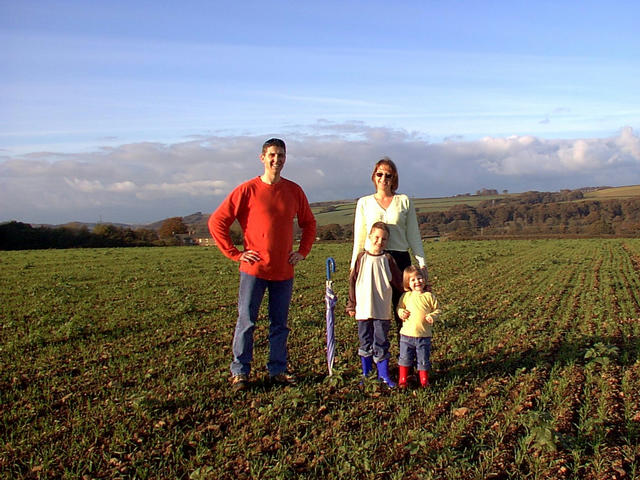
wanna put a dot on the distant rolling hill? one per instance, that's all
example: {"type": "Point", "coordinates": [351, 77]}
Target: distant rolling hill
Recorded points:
{"type": "Point", "coordinates": [341, 211]}
{"type": "Point", "coordinates": [613, 193]}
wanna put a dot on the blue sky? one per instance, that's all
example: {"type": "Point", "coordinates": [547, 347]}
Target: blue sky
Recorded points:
{"type": "Point", "coordinates": [136, 111]}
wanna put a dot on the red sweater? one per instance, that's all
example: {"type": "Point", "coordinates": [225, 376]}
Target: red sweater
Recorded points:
{"type": "Point", "coordinates": [265, 213]}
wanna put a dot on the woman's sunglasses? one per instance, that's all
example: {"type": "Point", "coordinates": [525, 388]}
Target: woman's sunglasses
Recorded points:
{"type": "Point", "coordinates": [386, 175]}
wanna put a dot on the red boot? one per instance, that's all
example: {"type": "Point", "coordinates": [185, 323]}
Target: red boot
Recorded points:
{"type": "Point", "coordinates": [424, 378]}
{"type": "Point", "coordinates": [403, 373]}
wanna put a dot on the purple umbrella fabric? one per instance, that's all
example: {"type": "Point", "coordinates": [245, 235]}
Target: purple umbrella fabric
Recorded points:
{"type": "Point", "coordinates": [330, 300]}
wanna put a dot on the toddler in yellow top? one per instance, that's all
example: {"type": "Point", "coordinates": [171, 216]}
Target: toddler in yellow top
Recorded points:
{"type": "Point", "coordinates": [418, 310]}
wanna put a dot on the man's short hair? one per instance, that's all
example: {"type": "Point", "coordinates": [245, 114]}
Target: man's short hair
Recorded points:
{"type": "Point", "coordinates": [274, 142]}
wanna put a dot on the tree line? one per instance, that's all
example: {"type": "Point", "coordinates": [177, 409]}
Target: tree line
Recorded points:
{"type": "Point", "coordinates": [564, 213]}
{"type": "Point", "coordinates": [22, 236]}
{"type": "Point", "coordinates": [537, 214]}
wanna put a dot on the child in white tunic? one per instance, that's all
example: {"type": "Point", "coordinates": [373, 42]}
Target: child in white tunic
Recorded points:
{"type": "Point", "coordinates": [370, 301]}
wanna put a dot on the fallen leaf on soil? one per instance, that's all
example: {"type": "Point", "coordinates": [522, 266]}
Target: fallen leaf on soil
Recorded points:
{"type": "Point", "coordinates": [460, 412]}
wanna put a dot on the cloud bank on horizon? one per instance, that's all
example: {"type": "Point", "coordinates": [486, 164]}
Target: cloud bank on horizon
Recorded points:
{"type": "Point", "coordinates": [144, 182]}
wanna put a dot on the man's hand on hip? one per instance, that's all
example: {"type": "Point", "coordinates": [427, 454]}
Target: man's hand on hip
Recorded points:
{"type": "Point", "coordinates": [250, 256]}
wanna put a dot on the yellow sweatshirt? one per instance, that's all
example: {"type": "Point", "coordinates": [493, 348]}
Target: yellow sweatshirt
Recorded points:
{"type": "Point", "coordinates": [420, 305]}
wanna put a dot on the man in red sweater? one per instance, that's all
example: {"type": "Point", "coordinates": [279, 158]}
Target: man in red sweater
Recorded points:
{"type": "Point", "coordinates": [265, 208]}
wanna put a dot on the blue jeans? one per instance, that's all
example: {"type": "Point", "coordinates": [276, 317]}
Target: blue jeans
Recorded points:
{"type": "Point", "coordinates": [412, 347]}
{"type": "Point", "coordinates": [374, 339]}
{"type": "Point", "coordinates": [250, 296]}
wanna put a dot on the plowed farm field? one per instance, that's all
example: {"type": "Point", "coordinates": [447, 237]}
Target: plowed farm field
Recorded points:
{"type": "Point", "coordinates": [115, 364]}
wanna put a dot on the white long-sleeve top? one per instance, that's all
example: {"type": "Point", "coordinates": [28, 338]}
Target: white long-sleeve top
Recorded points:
{"type": "Point", "coordinates": [370, 282]}
{"type": "Point", "coordinates": [400, 216]}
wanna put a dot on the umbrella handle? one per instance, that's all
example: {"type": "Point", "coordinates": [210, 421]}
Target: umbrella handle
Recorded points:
{"type": "Point", "coordinates": [331, 267]}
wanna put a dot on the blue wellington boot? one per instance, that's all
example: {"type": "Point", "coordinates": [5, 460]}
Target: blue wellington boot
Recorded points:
{"type": "Point", "coordinates": [383, 373]}
{"type": "Point", "coordinates": [367, 365]}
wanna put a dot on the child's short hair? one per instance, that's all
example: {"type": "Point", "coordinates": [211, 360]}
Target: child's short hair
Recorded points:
{"type": "Point", "coordinates": [380, 226]}
{"type": "Point", "coordinates": [410, 270]}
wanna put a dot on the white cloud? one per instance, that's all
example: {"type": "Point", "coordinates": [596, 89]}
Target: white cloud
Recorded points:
{"type": "Point", "coordinates": [629, 143]}
{"type": "Point", "coordinates": [521, 156]}
{"type": "Point", "coordinates": [150, 190]}
{"type": "Point", "coordinates": [200, 188]}
{"type": "Point", "coordinates": [125, 186]}
{"type": "Point", "coordinates": [85, 186]}
{"type": "Point", "coordinates": [144, 182]}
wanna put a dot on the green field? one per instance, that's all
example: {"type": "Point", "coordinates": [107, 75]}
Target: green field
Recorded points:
{"type": "Point", "coordinates": [615, 192]}
{"type": "Point", "coordinates": [343, 213]}
{"type": "Point", "coordinates": [115, 365]}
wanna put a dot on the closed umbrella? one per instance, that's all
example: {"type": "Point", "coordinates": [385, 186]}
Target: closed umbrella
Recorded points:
{"type": "Point", "coordinates": [330, 299]}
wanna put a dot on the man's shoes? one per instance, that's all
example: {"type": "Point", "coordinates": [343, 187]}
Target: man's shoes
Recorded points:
{"type": "Point", "coordinates": [239, 382]}
{"type": "Point", "coordinates": [284, 378]}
